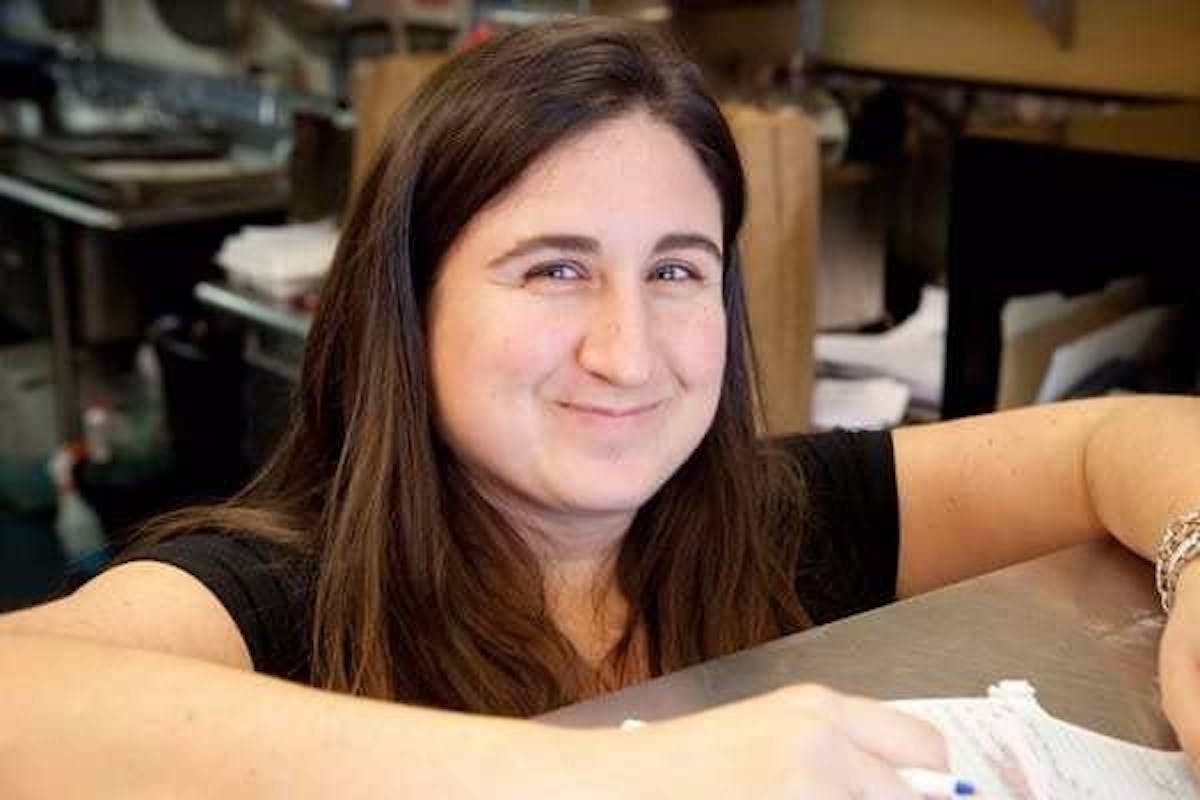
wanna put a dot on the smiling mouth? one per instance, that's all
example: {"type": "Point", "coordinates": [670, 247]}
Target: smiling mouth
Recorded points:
{"type": "Point", "coordinates": [610, 412]}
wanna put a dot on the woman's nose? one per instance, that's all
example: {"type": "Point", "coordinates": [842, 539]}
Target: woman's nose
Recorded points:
{"type": "Point", "coordinates": [617, 345]}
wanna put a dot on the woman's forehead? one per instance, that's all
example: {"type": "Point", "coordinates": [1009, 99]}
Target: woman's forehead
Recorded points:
{"type": "Point", "coordinates": [633, 176]}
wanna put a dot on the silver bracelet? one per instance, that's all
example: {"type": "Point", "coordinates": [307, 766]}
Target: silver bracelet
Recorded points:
{"type": "Point", "coordinates": [1180, 544]}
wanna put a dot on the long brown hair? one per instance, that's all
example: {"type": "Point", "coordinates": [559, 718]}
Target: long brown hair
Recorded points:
{"type": "Point", "coordinates": [423, 592]}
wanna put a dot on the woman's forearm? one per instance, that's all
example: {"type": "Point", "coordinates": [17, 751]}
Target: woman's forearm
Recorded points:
{"type": "Point", "coordinates": [1143, 467]}
{"type": "Point", "coordinates": [86, 719]}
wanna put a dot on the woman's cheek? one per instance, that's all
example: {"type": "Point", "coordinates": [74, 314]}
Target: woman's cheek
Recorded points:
{"type": "Point", "coordinates": [530, 345]}
{"type": "Point", "coordinates": [696, 339]}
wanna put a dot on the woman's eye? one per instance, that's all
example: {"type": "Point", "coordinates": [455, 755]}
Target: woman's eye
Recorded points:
{"type": "Point", "coordinates": [674, 272]}
{"type": "Point", "coordinates": [559, 271]}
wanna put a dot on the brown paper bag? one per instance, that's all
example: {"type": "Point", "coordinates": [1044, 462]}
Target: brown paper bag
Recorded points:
{"type": "Point", "coordinates": [779, 256]}
{"type": "Point", "coordinates": [381, 85]}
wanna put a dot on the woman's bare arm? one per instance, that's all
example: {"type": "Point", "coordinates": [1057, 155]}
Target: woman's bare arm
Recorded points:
{"type": "Point", "coordinates": [140, 685]}
{"type": "Point", "coordinates": [105, 694]}
{"type": "Point", "coordinates": [143, 604]}
{"type": "Point", "coordinates": [87, 719]}
{"type": "Point", "coordinates": [982, 492]}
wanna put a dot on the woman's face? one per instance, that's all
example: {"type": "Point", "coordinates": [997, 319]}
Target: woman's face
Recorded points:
{"type": "Point", "coordinates": [577, 330]}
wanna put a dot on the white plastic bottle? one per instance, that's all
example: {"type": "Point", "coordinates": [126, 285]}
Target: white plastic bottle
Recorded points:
{"type": "Point", "coordinates": [79, 530]}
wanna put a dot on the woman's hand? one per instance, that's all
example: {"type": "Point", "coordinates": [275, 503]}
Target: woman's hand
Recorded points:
{"type": "Point", "coordinates": [1179, 664]}
{"type": "Point", "coordinates": [798, 742]}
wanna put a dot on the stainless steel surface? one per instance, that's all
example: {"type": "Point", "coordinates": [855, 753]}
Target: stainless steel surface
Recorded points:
{"type": "Point", "coordinates": [93, 216]}
{"type": "Point", "coordinates": [253, 309]}
{"type": "Point", "coordinates": [1082, 625]}
{"type": "Point", "coordinates": [57, 204]}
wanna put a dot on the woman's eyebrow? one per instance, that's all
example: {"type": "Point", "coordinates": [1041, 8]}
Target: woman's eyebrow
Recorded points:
{"type": "Point", "coordinates": [686, 241]}
{"type": "Point", "coordinates": [575, 243]}
{"type": "Point", "coordinates": [551, 241]}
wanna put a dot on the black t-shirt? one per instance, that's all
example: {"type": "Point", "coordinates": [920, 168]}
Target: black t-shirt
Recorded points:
{"type": "Point", "coordinates": [848, 563]}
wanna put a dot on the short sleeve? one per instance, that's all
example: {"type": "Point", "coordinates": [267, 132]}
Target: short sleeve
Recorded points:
{"type": "Point", "coordinates": [850, 522]}
{"type": "Point", "coordinates": [264, 590]}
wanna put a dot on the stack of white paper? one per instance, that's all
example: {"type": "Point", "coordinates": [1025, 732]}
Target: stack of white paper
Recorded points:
{"type": "Point", "coordinates": [281, 261]}
{"type": "Point", "coordinates": [912, 353]}
{"type": "Point", "coordinates": [1011, 749]}
{"type": "Point", "coordinates": [873, 403]}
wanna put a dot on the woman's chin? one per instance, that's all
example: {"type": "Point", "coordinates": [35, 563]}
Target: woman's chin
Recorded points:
{"type": "Point", "coordinates": [614, 491]}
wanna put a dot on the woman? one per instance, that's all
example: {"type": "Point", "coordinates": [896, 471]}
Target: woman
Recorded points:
{"type": "Point", "coordinates": [522, 470]}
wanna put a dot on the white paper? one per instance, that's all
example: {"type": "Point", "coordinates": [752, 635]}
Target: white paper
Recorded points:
{"type": "Point", "coordinates": [1024, 313]}
{"type": "Point", "coordinates": [280, 260]}
{"type": "Point", "coordinates": [913, 352]}
{"type": "Point", "coordinates": [873, 403]}
{"type": "Point", "coordinates": [1013, 750]}
{"type": "Point", "coordinates": [1124, 339]}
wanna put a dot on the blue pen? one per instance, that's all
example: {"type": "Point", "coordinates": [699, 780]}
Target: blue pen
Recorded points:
{"type": "Point", "coordinates": [936, 784]}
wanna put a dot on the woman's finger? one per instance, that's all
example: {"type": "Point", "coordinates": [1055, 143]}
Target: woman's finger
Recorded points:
{"type": "Point", "coordinates": [896, 738]}
{"type": "Point", "coordinates": [871, 778]}
{"type": "Point", "coordinates": [1179, 673]}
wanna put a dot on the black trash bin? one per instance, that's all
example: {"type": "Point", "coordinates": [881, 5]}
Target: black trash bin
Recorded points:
{"type": "Point", "coordinates": [202, 378]}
